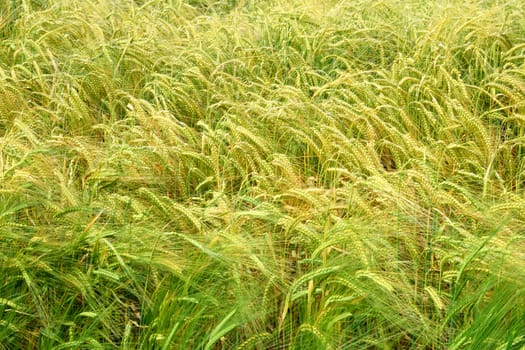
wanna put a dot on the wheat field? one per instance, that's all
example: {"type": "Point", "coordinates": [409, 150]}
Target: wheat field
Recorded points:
{"type": "Point", "coordinates": [262, 174]}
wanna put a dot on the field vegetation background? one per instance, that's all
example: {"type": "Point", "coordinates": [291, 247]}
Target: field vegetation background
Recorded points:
{"type": "Point", "coordinates": [273, 174]}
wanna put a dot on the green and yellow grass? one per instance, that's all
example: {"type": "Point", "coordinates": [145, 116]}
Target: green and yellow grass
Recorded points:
{"type": "Point", "coordinates": [279, 174]}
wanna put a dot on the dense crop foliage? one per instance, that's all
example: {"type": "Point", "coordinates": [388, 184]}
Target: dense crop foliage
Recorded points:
{"type": "Point", "coordinates": [279, 174]}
